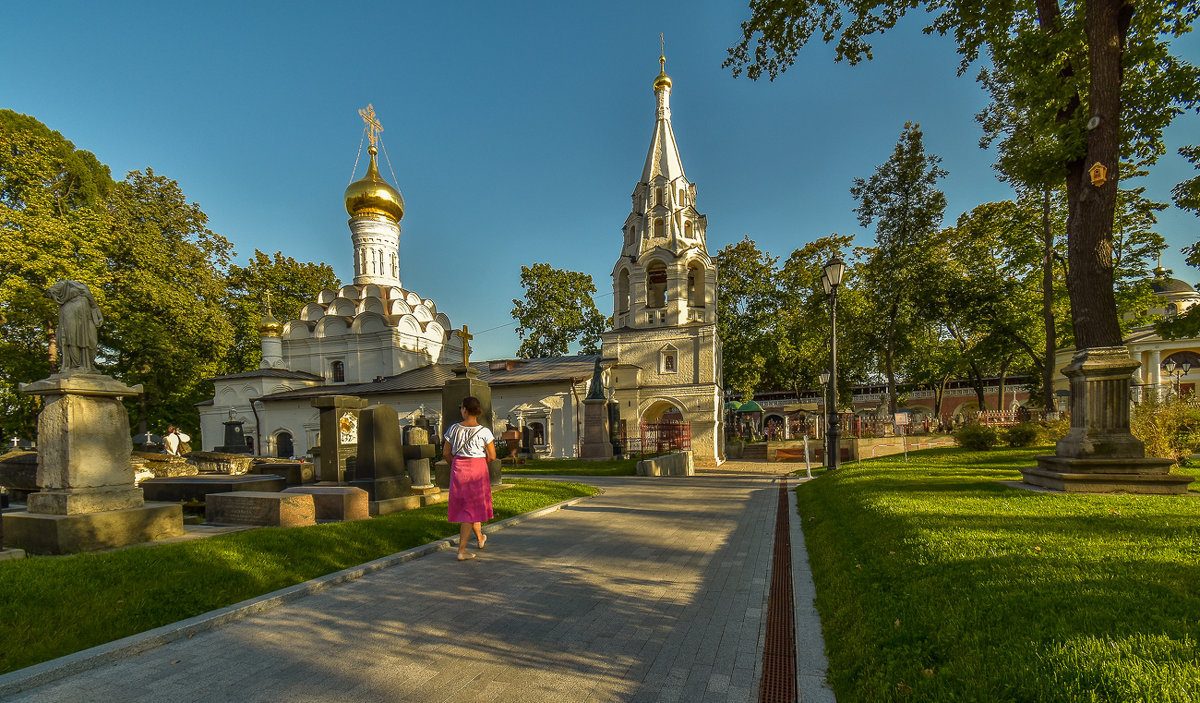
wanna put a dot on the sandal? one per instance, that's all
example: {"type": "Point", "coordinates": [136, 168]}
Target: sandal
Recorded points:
{"type": "Point", "coordinates": [463, 556]}
{"type": "Point", "coordinates": [483, 542]}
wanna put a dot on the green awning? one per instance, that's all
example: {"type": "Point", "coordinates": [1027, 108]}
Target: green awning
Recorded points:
{"type": "Point", "coordinates": [750, 407]}
{"type": "Point", "coordinates": [733, 405]}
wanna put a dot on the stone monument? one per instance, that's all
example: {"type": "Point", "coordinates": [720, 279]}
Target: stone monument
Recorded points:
{"type": "Point", "coordinates": [338, 417]}
{"type": "Point", "coordinates": [235, 436]}
{"type": "Point", "coordinates": [86, 496]}
{"type": "Point", "coordinates": [1099, 453]}
{"type": "Point", "coordinates": [597, 443]}
{"type": "Point", "coordinates": [466, 382]}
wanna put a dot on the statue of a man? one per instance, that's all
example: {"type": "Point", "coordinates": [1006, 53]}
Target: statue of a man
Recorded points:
{"type": "Point", "coordinates": [78, 319]}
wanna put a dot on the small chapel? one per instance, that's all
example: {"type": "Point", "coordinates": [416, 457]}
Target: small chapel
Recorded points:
{"type": "Point", "coordinates": [379, 341]}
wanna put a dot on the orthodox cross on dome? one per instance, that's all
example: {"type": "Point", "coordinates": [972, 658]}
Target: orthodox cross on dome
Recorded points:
{"type": "Point", "coordinates": [466, 337]}
{"type": "Point", "coordinates": [372, 122]}
{"type": "Point", "coordinates": [268, 302]}
{"type": "Point", "coordinates": [662, 53]}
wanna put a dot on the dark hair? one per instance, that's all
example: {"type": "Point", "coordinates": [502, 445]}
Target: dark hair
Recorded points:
{"type": "Point", "coordinates": [472, 406]}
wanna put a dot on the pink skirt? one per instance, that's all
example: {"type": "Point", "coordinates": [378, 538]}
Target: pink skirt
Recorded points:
{"type": "Point", "coordinates": [470, 490]}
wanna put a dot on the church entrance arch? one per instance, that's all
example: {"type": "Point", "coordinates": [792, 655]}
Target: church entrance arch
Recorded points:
{"type": "Point", "coordinates": [663, 428]}
{"type": "Point", "coordinates": [284, 447]}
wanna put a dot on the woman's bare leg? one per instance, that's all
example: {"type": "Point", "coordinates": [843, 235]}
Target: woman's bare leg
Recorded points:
{"type": "Point", "coordinates": [464, 533]}
{"type": "Point", "coordinates": [479, 538]}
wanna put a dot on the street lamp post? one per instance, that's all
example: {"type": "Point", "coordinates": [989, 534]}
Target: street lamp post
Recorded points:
{"type": "Point", "coordinates": [824, 376]}
{"type": "Point", "coordinates": [1176, 370]}
{"type": "Point", "coordinates": [831, 281]}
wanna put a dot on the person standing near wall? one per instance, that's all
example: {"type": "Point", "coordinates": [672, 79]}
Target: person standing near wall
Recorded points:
{"type": "Point", "coordinates": [174, 440]}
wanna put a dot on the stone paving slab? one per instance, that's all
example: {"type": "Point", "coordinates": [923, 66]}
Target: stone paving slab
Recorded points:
{"type": "Point", "coordinates": [653, 591]}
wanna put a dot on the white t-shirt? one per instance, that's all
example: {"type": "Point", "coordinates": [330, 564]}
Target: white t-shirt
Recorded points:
{"type": "Point", "coordinates": [470, 442]}
{"type": "Point", "coordinates": [173, 441]}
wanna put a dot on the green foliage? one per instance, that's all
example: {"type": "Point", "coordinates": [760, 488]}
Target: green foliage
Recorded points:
{"type": "Point", "coordinates": [557, 311]}
{"type": "Point", "coordinates": [935, 582]}
{"type": "Point", "coordinates": [133, 590]}
{"type": "Point", "coordinates": [1169, 426]}
{"type": "Point", "coordinates": [976, 437]}
{"type": "Point", "coordinates": [291, 284]}
{"type": "Point", "coordinates": [1025, 434]}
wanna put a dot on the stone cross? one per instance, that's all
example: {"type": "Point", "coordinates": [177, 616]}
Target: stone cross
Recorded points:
{"type": "Point", "coordinates": [466, 337]}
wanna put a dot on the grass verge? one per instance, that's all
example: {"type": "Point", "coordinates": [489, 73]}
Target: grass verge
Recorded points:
{"type": "Point", "coordinates": [56, 606]}
{"type": "Point", "coordinates": [935, 582]}
{"type": "Point", "coordinates": [575, 467]}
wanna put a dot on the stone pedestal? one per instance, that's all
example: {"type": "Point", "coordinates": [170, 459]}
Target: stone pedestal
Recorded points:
{"type": "Point", "coordinates": [235, 438]}
{"type": "Point", "coordinates": [87, 498]}
{"type": "Point", "coordinates": [1100, 454]}
{"type": "Point", "coordinates": [338, 417]}
{"type": "Point", "coordinates": [597, 443]}
{"type": "Point", "coordinates": [465, 382]}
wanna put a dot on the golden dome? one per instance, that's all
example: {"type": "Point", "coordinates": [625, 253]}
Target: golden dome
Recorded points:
{"type": "Point", "coordinates": [372, 194]}
{"type": "Point", "coordinates": [663, 80]}
{"type": "Point", "coordinates": [268, 326]}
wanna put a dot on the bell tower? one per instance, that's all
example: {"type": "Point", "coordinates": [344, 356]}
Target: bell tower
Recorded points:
{"type": "Point", "coordinates": [663, 353]}
{"type": "Point", "coordinates": [664, 276]}
{"type": "Point", "coordinates": [375, 209]}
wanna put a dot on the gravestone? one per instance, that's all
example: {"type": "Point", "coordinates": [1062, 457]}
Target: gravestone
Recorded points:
{"type": "Point", "coordinates": [338, 418]}
{"type": "Point", "coordinates": [466, 382]}
{"type": "Point", "coordinates": [336, 503]}
{"type": "Point", "coordinates": [86, 496]}
{"type": "Point", "coordinates": [260, 508]}
{"type": "Point", "coordinates": [235, 437]}
{"type": "Point", "coordinates": [380, 465]}
{"type": "Point", "coordinates": [418, 452]}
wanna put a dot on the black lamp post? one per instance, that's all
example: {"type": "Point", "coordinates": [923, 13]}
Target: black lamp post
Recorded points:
{"type": "Point", "coordinates": [824, 377]}
{"type": "Point", "coordinates": [831, 281]}
{"type": "Point", "coordinates": [1176, 370]}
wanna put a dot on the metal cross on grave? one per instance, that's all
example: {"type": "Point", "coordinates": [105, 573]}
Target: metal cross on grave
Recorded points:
{"type": "Point", "coordinates": [466, 337]}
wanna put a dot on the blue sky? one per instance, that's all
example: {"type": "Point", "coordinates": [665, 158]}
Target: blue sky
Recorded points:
{"type": "Point", "coordinates": [516, 131]}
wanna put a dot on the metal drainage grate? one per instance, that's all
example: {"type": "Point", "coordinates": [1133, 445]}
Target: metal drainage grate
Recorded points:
{"type": "Point", "coordinates": [779, 651]}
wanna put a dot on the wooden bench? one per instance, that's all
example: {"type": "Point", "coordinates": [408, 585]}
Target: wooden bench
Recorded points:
{"type": "Point", "coordinates": [788, 454]}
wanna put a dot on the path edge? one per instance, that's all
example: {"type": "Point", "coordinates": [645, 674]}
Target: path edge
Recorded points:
{"type": "Point", "coordinates": [87, 659]}
{"type": "Point", "coordinates": [812, 667]}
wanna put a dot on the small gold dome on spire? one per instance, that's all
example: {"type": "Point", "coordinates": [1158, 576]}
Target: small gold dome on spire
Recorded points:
{"type": "Point", "coordinates": [268, 326]}
{"type": "Point", "coordinates": [663, 80]}
{"type": "Point", "coordinates": [372, 194]}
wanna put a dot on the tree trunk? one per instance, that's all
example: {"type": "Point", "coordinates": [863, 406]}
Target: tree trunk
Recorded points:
{"type": "Point", "coordinates": [1090, 207]}
{"type": "Point", "coordinates": [1048, 303]}
{"type": "Point", "coordinates": [890, 359]}
{"type": "Point", "coordinates": [1003, 378]}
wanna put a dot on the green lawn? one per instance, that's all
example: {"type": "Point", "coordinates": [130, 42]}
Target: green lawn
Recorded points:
{"type": "Point", "coordinates": [56, 606]}
{"type": "Point", "coordinates": [575, 467]}
{"type": "Point", "coordinates": [935, 582]}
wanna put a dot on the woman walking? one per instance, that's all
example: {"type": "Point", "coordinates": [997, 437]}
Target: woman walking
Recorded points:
{"type": "Point", "coordinates": [468, 449]}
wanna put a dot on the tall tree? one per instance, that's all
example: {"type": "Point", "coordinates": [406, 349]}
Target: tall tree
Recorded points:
{"type": "Point", "coordinates": [558, 310]}
{"type": "Point", "coordinates": [747, 301]}
{"type": "Point", "coordinates": [290, 284]}
{"type": "Point", "coordinates": [1091, 82]}
{"type": "Point", "coordinates": [902, 200]}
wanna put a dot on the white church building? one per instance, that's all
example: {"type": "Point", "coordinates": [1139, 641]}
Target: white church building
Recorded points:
{"type": "Point", "coordinates": [377, 340]}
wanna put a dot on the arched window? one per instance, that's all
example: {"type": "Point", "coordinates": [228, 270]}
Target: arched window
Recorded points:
{"type": "Point", "coordinates": [656, 285]}
{"type": "Point", "coordinates": [623, 291]}
{"type": "Point", "coordinates": [658, 194]}
{"type": "Point", "coordinates": [695, 283]}
{"type": "Point", "coordinates": [687, 229]}
{"type": "Point", "coordinates": [682, 196]}
{"type": "Point", "coordinates": [394, 272]}
{"type": "Point", "coordinates": [658, 227]}
{"type": "Point", "coordinates": [337, 371]}
{"type": "Point", "coordinates": [284, 447]}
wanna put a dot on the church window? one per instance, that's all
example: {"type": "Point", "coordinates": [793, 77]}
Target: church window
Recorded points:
{"type": "Point", "coordinates": [687, 229]}
{"type": "Point", "coordinates": [337, 372]}
{"type": "Point", "coordinates": [394, 273]}
{"type": "Point", "coordinates": [623, 291]}
{"type": "Point", "coordinates": [695, 285]}
{"type": "Point", "coordinates": [658, 227]}
{"type": "Point", "coordinates": [658, 197]}
{"type": "Point", "coordinates": [682, 197]}
{"type": "Point", "coordinates": [668, 359]}
{"type": "Point", "coordinates": [656, 285]}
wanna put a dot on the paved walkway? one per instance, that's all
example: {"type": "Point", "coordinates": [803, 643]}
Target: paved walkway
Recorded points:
{"type": "Point", "coordinates": [653, 591]}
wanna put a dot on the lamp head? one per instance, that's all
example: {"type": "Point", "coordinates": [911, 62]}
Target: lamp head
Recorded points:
{"type": "Point", "coordinates": [825, 284]}
{"type": "Point", "coordinates": [824, 376]}
{"type": "Point", "coordinates": [834, 270]}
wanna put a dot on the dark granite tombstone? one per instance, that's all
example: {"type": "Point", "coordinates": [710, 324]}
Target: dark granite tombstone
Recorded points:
{"type": "Point", "coordinates": [235, 438]}
{"type": "Point", "coordinates": [379, 469]}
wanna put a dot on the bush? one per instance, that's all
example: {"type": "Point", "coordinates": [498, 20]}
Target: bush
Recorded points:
{"type": "Point", "coordinates": [976, 437]}
{"type": "Point", "coordinates": [1025, 434]}
{"type": "Point", "coordinates": [1169, 426]}
{"type": "Point", "coordinates": [1055, 430]}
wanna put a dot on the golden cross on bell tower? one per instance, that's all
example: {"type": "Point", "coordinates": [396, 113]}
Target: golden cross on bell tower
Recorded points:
{"type": "Point", "coordinates": [466, 337]}
{"type": "Point", "coordinates": [268, 302]}
{"type": "Point", "coordinates": [372, 122]}
{"type": "Point", "coordinates": [662, 54]}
